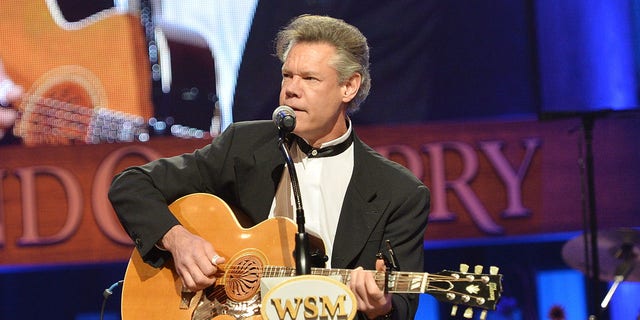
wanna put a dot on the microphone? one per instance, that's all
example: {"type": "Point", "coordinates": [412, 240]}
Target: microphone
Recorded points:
{"type": "Point", "coordinates": [285, 118]}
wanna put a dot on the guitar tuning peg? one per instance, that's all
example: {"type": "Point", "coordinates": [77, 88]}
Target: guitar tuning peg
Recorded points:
{"type": "Point", "coordinates": [454, 310]}
{"type": "Point", "coordinates": [468, 313]}
{"type": "Point", "coordinates": [477, 269]}
{"type": "Point", "coordinates": [483, 315]}
{"type": "Point", "coordinates": [494, 270]}
{"type": "Point", "coordinates": [464, 268]}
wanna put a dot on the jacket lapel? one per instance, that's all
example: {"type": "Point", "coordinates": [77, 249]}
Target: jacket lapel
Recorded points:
{"type": "Point", "coordinates": [257, 179]}
{"type": "Point", "coordinates": [361, 210]}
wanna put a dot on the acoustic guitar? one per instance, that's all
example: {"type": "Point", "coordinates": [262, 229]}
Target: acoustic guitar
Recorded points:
{"type": "Point", "coordinates": [264, 250]}
{"type": "Point", "coordinates": [75, 73]}
{"type": "Point", "coordinates": [90, 81]}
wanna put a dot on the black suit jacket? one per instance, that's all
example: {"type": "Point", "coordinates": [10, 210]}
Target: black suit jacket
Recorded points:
{"type": "Point", "coordinates": [243, 166]}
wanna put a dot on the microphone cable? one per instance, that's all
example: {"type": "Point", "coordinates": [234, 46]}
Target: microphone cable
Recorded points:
{"type": "Point", "coordinates": [106, 294]}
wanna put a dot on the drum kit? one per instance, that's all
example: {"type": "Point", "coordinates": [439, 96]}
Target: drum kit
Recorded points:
{"type": "Point", "coordinates": [618, 253]}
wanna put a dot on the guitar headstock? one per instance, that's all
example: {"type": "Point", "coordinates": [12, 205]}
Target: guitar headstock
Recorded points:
{"type": "Point", "coordinates": [472, 289]}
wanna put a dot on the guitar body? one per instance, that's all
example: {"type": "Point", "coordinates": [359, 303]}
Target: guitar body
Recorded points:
{"type": "Point", "coordinates": [150, 293]}
{"type": "Point", "coordinates": [97, 62]}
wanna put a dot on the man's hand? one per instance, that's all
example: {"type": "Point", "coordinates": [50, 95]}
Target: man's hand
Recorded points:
{"type": "Point", "coordinates": [9, 93]}
{"type": "Point", "coordinates": [371, 300]}
{"type": "Point", "coordinates": [195, 259]}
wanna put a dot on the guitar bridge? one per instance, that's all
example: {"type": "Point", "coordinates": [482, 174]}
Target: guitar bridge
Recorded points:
{"type": "Point", "coordinates": [186, 298]}
{"type": "Point", "coordinates": [217, 303]}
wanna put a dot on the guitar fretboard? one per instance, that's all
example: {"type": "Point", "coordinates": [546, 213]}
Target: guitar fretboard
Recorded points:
{"type": "Point", "coordinates": [50, 121]}
{"type": "Point", "coordinates": [398, 282]}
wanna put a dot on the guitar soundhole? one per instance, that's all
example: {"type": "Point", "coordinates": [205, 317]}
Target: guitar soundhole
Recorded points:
{"type": "Point", "coordinates": [61, 116]}
{"type": "Point", "coordinates": [69, 92]}
{"type": "Point", "coordinates": [243, 279]}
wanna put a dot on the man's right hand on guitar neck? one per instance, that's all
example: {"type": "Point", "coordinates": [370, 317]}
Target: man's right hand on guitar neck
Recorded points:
{"type": "Point", "coordinates": [195, 259]}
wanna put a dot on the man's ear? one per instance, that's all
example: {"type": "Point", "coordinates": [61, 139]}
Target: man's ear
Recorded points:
{"type": "Point", "coordinates": [350, 87]}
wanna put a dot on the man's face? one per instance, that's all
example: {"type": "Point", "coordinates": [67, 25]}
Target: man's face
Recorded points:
{"type": "Point", "coordinates": [310, 86]}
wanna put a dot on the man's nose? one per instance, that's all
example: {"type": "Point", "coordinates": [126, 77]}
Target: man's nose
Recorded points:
{"type": "Point", "coordinates": [292, 87]}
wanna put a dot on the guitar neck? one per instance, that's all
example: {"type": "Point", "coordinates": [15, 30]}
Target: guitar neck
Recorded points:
{"type": "Point", "coordinates": [51, 121]}
{"type": "Point", "coordinates": [471, 289]}
{"type": "Point", "coordinates": [399, 282]}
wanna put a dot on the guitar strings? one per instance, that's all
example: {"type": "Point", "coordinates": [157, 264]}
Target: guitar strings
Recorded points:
{"type": "Point", "coordinates": [402, 280]}
{"type": "Point", "coordinates": [67, 120]}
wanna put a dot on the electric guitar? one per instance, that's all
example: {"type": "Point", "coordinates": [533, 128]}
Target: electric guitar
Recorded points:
{"type": "Point", "coordinates": [264, 250]}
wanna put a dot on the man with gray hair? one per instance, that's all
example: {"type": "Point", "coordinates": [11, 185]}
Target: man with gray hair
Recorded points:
{"type": "Point", "coordinates": [355, 200]}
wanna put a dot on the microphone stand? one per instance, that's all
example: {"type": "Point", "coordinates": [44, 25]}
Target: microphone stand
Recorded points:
{"type": "Point", "coordinates": [589, 216]}
{"type": "Point", "coordinates": [590, 223]}
{"type": "Point", "coordinates": [301, 252]}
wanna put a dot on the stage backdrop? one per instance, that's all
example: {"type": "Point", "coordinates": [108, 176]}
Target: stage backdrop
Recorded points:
{"type": "Point", "coordinates": [488, 180]}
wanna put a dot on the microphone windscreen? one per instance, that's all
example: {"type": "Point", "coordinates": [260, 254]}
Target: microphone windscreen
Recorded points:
{"type": "Point", "coordinates": [284, 118]}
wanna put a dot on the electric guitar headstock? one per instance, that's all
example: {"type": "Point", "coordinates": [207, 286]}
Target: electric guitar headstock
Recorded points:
{"type": "Point", "coordinates": [471, 289]}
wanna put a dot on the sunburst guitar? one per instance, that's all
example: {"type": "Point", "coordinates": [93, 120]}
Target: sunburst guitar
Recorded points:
{"type": "Point", "coordinates": [264, 250]}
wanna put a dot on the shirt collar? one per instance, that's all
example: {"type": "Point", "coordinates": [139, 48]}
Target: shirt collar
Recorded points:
{"type": "Point", "coordinates": [330, 148]}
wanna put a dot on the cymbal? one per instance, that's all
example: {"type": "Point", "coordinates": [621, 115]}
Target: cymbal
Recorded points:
{"type": "Point", "coordinates": [615, 247]}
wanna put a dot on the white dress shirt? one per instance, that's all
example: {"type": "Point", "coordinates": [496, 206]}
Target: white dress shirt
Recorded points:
{"type": "Point", "coordinates": [323, 184]}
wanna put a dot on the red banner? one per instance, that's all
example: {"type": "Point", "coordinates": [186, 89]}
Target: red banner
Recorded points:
{"type": "Point", "coordinates": [488, 179]}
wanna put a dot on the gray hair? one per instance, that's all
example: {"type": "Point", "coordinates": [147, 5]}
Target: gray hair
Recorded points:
{"type": "Point", "coordinates": [352, 50]}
